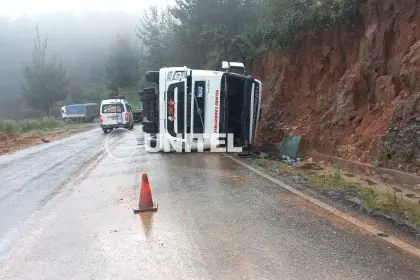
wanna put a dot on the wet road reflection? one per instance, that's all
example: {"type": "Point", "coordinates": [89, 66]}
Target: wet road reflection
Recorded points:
{"type": "Point", "coordinates": [147, 222]}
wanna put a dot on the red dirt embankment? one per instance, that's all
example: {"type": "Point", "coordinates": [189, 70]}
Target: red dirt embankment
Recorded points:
{"type": "Point", "coordinates": [352, 91]}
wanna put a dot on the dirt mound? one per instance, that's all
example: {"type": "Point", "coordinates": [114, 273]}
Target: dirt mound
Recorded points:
{"type": "Point", "coordinates": [350, 91]}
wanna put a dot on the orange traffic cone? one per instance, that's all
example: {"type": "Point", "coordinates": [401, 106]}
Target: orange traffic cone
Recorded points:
{"type": "Point", "coordinates": [145, 201]}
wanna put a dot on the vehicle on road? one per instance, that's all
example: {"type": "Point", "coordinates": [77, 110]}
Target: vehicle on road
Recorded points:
{"type": "Point", "coordinates": [80, 112]}
{"type": "Point", "coordinates": [187, 102]}
{"type": "Point", "coordinates": [115, 113]}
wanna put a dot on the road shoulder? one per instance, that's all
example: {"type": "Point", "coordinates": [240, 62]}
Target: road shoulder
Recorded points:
{"type": "Point", "coordinates": [403, 242]}
{"type": "Point", "coordinates": [11, 143]}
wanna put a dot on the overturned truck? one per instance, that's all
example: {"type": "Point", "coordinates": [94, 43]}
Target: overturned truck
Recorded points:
{"type": "Point", "coordinates": [201, 107]}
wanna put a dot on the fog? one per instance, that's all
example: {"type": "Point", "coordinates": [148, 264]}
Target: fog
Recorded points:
{"type": "Point", "coordinates": [81, 41]}
{"type": "Point", "coordinates": [29, 7]}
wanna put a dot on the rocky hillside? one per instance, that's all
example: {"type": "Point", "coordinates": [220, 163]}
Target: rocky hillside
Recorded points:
{"type": "Point", "coordinates": [352, 91]}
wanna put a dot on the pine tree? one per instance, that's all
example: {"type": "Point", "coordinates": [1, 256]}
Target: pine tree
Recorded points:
{"type": "Point", "coordinates": [45, 78]}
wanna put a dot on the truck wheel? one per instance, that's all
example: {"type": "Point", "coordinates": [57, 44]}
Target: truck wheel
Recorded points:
{"type": "Point", "coordinates": [152, 77]}
{"type": "Point", "coordinates": [105, 131]}
{"type": "Point", "coordinates": [148, 97]}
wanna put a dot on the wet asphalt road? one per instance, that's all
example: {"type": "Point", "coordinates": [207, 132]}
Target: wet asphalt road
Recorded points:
{"type": "Point", "coordinates": [30, 177]}
{"type": "Point", "coordinates": [66, 212]}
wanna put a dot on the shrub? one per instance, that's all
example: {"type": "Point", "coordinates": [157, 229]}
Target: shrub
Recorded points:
{"type": "Point", "coordinates": [49, 123]}
{"type": "Point", "coordinates": [12, 126]}
{"type": "Point", "coordinates": [9, 126]}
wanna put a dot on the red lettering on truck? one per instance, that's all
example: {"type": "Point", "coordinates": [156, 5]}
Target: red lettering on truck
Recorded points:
{"type": "Point", "coordinates": [216, 111]}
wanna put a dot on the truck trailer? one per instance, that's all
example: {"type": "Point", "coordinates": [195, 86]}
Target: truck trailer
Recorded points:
{"type": "Point", "coordinates": [80, 112]}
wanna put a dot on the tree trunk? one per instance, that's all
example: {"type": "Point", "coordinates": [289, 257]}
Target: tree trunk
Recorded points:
{"type": "Point", "coordinates": [49, 105]}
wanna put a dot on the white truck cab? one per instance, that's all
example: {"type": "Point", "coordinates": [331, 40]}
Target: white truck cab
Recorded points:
{"type": "Point", "coordinates": [187, 102]}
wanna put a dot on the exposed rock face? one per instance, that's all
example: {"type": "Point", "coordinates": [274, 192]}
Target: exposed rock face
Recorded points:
{"type": "Point", "coordinates": [346, 89]}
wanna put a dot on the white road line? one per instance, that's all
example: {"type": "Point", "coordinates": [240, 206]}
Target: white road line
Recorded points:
{"type": "Point", "coordinates": [370, 229]}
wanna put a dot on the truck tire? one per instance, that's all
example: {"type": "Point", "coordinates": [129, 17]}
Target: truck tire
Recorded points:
{"type": "Point", "coordinates": [152, 77]}
{"type": "Point", "coordinates": [148, 97]}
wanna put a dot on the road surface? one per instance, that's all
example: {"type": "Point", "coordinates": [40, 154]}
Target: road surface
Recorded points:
{"type": "Point", "coordinates": [66, 212]}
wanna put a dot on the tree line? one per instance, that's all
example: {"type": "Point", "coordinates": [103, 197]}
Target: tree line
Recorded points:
{"type": "Point", "coordinates": [80, 43]}
{"type": "Point", "coordinates": [196, 33]}
{"type": "Point", "coordinates": [202, 33]}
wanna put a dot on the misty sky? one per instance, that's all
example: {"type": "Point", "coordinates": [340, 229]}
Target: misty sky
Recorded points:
{"type": "Point", "coordinates": [17, 7]}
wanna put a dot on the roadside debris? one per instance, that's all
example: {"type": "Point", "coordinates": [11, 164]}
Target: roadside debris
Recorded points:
{"type": "Point", "coordinates": [285, 151]}
{"type": "Point", "coordinates": [289, 160]}
{"type": "Point", "coordinates": [263, 155]}
{"type": "Point", "coordinates": [258, 155]}
{"type": "Point", "coordinates": [289, 147]}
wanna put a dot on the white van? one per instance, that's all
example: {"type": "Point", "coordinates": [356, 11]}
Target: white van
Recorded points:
{"type": "Point", "coordinates": [116, 113]}
{"type": "Point", "coordinates": [186, 102]}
